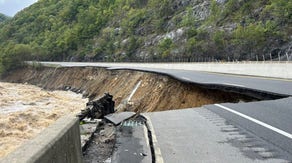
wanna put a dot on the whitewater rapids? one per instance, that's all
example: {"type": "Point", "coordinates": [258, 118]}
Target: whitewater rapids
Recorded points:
{"type": "Point", "coordinates": [26, 110]}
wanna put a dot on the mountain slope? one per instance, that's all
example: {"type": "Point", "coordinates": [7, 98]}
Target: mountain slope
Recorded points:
{"type": "Point", "coordinates": [118, 30]}
{"type": "Point", "coordinates": [3, 18]}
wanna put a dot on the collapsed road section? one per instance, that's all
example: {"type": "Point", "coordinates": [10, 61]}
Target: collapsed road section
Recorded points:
{"type": "Point", "coordinates": [132, 90]}
{"type": "Point", "coordinates": [113, 137]}
{"type": "Point", "coordinates": [127, 141]}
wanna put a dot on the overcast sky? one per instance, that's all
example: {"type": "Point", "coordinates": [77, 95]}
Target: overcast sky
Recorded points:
{"type": "Point", "coordinates": [11, 7]}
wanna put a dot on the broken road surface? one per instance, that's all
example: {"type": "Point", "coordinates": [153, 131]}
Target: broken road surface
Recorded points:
{"type": "Point", "coordinates": [199, 135]}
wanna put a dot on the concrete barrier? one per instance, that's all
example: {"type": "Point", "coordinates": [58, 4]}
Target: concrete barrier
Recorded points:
{"type": "Point", "coordinates": [59, 143]}
{"type": "Point", "coordinates": [262, 69]}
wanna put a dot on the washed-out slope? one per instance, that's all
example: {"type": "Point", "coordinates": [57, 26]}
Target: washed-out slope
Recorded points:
{"type": "Point", "coordinates": [155, 93]}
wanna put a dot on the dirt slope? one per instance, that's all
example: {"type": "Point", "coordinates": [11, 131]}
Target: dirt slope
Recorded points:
{"type": "Point", "coordinates": [155, 93]}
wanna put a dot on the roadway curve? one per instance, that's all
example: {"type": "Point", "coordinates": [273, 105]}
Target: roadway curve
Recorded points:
{"type": "Point", "coordinates": [268, 122]}
{"type": "Point", "coordinates": [262, 84]}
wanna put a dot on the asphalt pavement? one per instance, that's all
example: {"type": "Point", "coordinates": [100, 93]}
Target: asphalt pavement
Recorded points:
{"type": "Point", "coordinates": [244, 132]}
{"type": "Point", "coordinates": [199, 135]}
{"type": "Point", "coordinates": [282, 87]}
{"type": "Point", "coordinates": [270, 120]}
{"type": "Point", "coordinates": [269, 85]}
{"type": "Point", "coordinates": [132, 144]}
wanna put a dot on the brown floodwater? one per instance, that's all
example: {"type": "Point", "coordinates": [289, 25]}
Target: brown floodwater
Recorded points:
{"type": "Point", "coordinates": [25, 110]}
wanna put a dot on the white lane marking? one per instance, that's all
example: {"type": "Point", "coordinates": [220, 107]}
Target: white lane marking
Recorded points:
{"type": "Point", "coordinates": [256, 121]}
{"type": "Point", "coordinates": [186, 78]}
{"type": "Point", "coordinates": [237, 85]}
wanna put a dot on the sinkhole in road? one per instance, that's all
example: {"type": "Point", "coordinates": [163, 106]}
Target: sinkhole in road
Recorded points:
{"type": "Point", "coordinates": [132, 90]}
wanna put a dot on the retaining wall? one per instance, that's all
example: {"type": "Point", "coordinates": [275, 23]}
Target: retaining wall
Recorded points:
{"type": "Point", "coordinates": [59, 143]}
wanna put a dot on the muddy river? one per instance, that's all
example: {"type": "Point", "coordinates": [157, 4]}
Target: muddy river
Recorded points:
{"type": "Point", "coordinates": [26, 110]}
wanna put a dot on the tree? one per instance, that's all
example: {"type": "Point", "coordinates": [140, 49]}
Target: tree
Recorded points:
{"type": "Point", "coordinates": [282, 10]}
{"type": "Point", "coordinates": [164, 47]}
{"type": "Point", "coordinates": [250, 39]}
{"type": "Point", "coordinates": [14, 57]}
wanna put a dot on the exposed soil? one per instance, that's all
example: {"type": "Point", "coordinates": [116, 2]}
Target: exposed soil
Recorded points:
{"type": "Point", "coordinates": [132, 90]}
{"type": "Point", "coordinates": [155, 93]}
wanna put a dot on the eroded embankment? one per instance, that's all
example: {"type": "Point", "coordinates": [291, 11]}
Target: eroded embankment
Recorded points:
{"type": "Point", "coordinates": [154, 93]}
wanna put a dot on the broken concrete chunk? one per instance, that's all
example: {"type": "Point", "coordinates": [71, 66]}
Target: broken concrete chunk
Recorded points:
{"type": "Point", "coordinates": [87, 128]}
{"type": "Point", "coordinates": [98, 108]}
{"type": "Point", "coordinates": [117, 118]}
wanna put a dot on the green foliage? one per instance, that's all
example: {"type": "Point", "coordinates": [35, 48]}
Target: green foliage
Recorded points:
{"type": "Point", "coordinates": [215, 11]}
{"type": "Point", "coordinates": [59, 28]}
{"type": "Point", "coordinates": [164, 47]}
{"type": "Point", "coordinates": [252, 38]}
{"type": "Point", "coordinates": [281, 9]}
{"type": "Point", "coordinates": [251, 34]}
{"type": "Point", "coordinates": [14, 56]}
{"type": "Point", "coordinates": [219, 39]}
{"type": "Point", "coordinates": [36, 65]}
{"type": "Point", "coordinates": [135, 18]}
{"type": "Point", "coordinates": [119, 29]}
{"type": "Point", "coordinates": [188, 19]}
{"type": "Point", "coordinates": [132, 46]}
{"type": "Point", "coordinates": [191, 46]}
{"type": "Point", "coordinates": [161, 12]}
{"type": "Point", "coordinates": [191, 32]}
{"type": "Point", "coordinates": [3, 18]}
{"type": "Point", "coordinates": [164, 8]}
{"type": "Point", "coordinates": [231, 6]}
{"type": "Point", "coordinates": [233, 10]}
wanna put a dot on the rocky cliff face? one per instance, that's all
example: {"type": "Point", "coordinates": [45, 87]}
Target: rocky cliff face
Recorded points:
{"type": "Point", "coordinates": [199, 30]}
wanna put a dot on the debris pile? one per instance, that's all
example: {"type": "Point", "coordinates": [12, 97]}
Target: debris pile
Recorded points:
{"type": "Point", "coordinates": [98, 108]}
{"type": "Point", "coordinates": [105, 135]}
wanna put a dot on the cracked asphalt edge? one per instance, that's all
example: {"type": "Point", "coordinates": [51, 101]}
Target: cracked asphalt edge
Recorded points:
{"type": "Point", "coordinates": [157, 152]}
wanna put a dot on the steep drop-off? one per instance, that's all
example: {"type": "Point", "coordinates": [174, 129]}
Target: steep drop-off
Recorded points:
{"type": "Point", "coordinates": [154, 93]}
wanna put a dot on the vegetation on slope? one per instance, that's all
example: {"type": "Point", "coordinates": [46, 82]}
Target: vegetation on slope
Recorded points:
{"type": "Point", "coordinates": [3, 18]}
{"type": "Point", "coordinates": [122, 30]}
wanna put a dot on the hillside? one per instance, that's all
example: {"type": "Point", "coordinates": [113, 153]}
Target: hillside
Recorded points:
{"type": "Point", "coordinates": [118, 30]}
{"type": "Point", "coordinates": [3, 18]}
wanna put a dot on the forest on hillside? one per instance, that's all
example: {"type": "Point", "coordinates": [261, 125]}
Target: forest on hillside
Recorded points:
{"type": "Point", "coordinates": [146, 30]}
{"type": "Point", "coordinates": [3, 17]}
